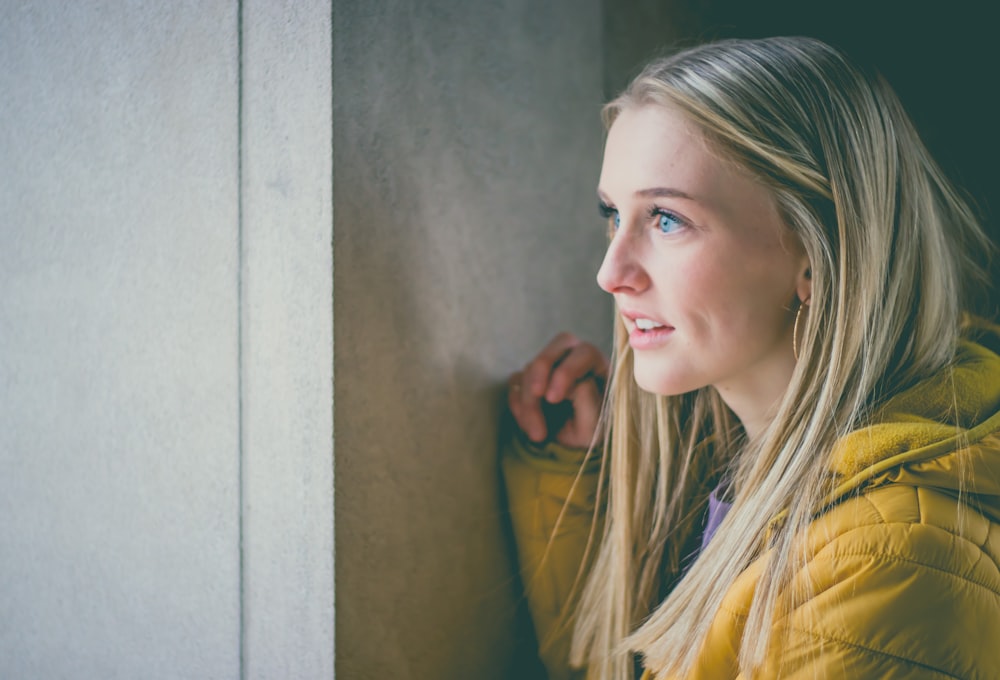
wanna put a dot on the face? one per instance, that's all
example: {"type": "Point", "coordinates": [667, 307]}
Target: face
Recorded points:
{"type": "Point", "coordinates": [704, 273]}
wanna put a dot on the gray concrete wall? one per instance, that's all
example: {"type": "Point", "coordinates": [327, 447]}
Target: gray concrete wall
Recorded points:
{"type": "Point", "coordinates": [120, 445]}
{"type": "Point", "coordinates": [165, 340]}
{"type": "Point", "coordinates": [287, 339]}
{"type": "Point", "coordinates": [467, 146]}
{"type": "Point", "coordinates": [166, 209]}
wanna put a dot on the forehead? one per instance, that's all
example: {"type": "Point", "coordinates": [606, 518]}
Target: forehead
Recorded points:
{"type": "Point", "coordinates": [656, 146]}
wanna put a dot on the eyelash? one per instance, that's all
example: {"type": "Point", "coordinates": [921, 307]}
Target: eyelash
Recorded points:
{"type": "Point", "coordinates": [611, 214]}
{"type": "Point", "coordinates": [607, 212]}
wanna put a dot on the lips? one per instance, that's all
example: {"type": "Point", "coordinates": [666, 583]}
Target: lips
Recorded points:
{"type": "Point", "coordinates": [645, 331]}
{"type": "Point", "coordinates": [638, 320]}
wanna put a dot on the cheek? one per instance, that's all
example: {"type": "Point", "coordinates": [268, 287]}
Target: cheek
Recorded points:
{"type": "Point", "coordinates": [727, 299]}
{"type": "Point", "coordinates": [704, 286]}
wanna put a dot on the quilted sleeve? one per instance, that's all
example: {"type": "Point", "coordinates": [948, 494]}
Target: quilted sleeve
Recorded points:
{"type": "Point", "coordinates": [542, 483]}
{"type": "Point", "coordinates": [904, 600]}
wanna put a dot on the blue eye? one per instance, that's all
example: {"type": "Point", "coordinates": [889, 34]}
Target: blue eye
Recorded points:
{"type": "Point", "coordinates": [609, 213]}
{"type": "Point", "coordinates": [667, 222]}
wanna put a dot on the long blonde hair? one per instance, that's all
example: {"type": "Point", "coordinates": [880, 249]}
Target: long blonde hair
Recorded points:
{"type": "Point", "coordinates": [889, 243]}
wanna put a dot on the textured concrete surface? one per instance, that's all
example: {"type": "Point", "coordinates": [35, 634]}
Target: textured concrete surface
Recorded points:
{"type": "Point", "coordinates": [166, 340]}
{"type": "Point", "coordinates": [119, 448]}
{"type": "Point", "coordinates": [165, 330]}
{"type": "Point", "coordinates": [467, 146]}
{"type": "Point", "coordinates": [287, 328]}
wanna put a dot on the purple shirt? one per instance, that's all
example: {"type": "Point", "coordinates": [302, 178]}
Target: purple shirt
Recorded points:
{"type": "Point", "coordinates": [717, 510]}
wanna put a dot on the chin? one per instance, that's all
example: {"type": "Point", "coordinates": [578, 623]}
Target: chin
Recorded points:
{"type": "Point", "coordinates": [662, 382]}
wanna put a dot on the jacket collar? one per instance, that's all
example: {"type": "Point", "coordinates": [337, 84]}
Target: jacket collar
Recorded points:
{"type": "Point", "coordinates": [942, 433]}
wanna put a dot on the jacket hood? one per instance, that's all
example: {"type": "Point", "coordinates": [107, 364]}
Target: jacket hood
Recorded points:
{"type": "Point", "coordinates": [943, 433]}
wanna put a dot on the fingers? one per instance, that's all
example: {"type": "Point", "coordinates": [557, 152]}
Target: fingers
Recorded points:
{"type": "Point", "coordinates": [538, 372]}
{"type": "Point", "coordinates": [553, 376]}
{"type": "Point", "coordinates": [525, 409]}
{"type": "Point", "coordinates": [586, 398]}
{"type": "Point", "coordinates": [581, 361]}
{"type": "Point", "coordinates": [534, 383]}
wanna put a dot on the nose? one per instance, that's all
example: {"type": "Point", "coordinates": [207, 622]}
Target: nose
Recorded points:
{"type": "Point", "coordinates": [621, 271]}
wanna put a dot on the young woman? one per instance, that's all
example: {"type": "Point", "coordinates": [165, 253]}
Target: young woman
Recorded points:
{"type": "Point", "coordinates": [796, 470]}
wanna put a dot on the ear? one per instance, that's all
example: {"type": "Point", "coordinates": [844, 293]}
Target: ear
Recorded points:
{"type": "Point", "coordinates": [804, 286]}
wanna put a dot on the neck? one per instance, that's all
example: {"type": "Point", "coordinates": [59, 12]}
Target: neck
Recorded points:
{"type": "Point", "coordinates": [755, 398]}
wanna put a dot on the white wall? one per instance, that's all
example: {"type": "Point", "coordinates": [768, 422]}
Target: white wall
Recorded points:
{"type": "Point", "coordinates": [165, 340]}
{"type": "Point", "coordinates": [287, 331]}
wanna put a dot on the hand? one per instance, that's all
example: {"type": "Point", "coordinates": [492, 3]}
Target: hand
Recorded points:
{"type": "Point", "coordinates": [558, 393]}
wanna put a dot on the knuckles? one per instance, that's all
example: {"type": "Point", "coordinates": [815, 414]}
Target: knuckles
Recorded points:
{"type": "Point", "coordinates": [565, 338]}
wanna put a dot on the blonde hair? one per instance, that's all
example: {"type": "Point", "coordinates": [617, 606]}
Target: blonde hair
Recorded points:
{"type": "Point", "coordinates": [889, 243]}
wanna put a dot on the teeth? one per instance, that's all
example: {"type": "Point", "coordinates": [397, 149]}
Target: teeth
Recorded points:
{"type": "Point", "coordinates": [646, 324]}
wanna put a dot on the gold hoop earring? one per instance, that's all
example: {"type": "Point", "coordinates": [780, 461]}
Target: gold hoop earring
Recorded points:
{"type": "Point", "coordinates": [795, 328]}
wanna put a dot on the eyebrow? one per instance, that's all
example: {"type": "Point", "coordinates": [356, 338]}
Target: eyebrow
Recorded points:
{"type": "Point", "coordinates": [663, 192]}
{"type": "Point", "coordinates": [656, 192]}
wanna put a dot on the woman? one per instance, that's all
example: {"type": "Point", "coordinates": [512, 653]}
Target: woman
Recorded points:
{"type": "Point", "coordinates": [801, 440]}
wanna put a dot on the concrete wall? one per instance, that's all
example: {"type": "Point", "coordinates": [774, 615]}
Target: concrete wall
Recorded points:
{"type": "Point", "coordinates": [287, 339]}
{"type": "Point", "coordinates": [167, 175]}
{"type": "Point", "coordinates": [467, 145]}
{"type": "Point", "coordinates": [165, 340]}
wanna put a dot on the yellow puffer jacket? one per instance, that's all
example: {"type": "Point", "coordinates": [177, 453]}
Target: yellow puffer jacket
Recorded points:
{"type": "Point", "coordinates": [905, 566]}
